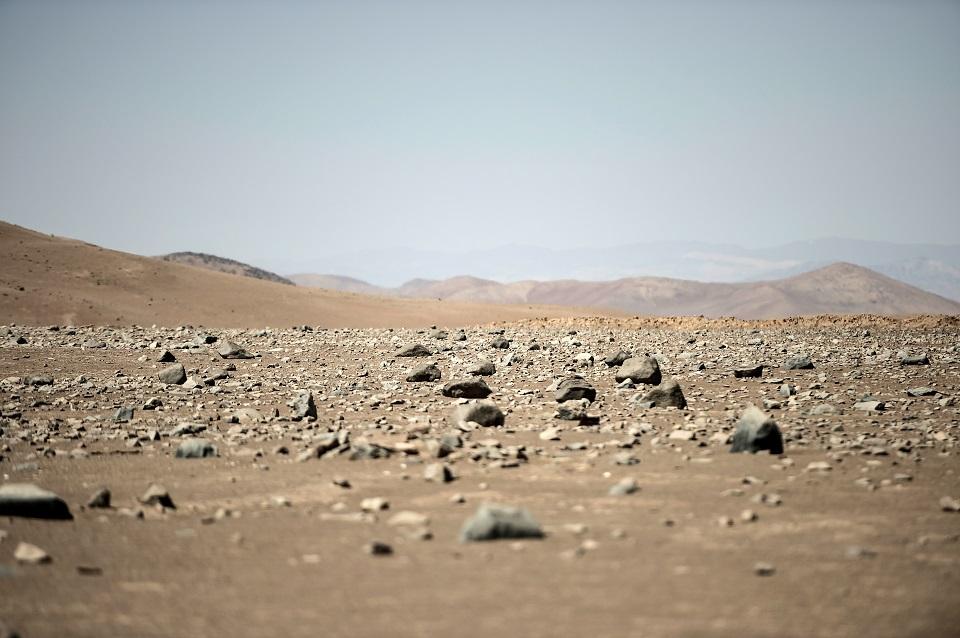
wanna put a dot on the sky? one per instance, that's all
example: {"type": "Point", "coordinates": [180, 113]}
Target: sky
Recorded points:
{"type": "Point", "coordinates": [272, 131]}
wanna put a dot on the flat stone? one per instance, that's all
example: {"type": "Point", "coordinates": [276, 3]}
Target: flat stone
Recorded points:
{"type": "Point", "coordinates": [492, 522]}
{"type": "Point", "coordinates": [29, 501]}
{"type": "Point", "coordinates": [196, 449]}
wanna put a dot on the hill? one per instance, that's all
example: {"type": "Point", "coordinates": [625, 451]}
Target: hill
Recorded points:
{"type": "Point", "coordinates": [839, 288]}
{"type": "Point", "coordinates": [222, 264]}
{"type": "Point", "coordinates": [51, 280]}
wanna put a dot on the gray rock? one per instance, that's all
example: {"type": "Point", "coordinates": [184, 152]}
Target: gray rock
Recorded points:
{"type": "Point", "coordinates": [166, 357]}
{"type": "Point", "coordinates": [575, 388]}
{"type": "Point", "coordinates": [616, 358]}
{"type": "Point", "coordinates": [196, 449]}
{"type": "Point", "coordinates": [39, 379]}
{"type": "Point", "coordinates": [303, 406]}
{"type": "Point", "coordinates": [640, 370]}
{"type": "Point", "coordinates": [757, 431]}
{"type": "Point", "coordinates": [231, 350]}
{"type": "Point", "coordinates": [424, 374]}
{"type": "Point", "coordinates": [173, 375]}
{"type": "Point", "coordinates": [921, 392]}
{"type": "Point", "coordinates": [438, 473]}
{"type": "Point", "coordinates": [123, 414]}
{"type": "Point", "coordinates": [100, 499]}
{"type": "Point", "coordinates": [492, 522]}
{"type": "Point", "coordinates": [787, 390]}
{"type": "Point", "coordinates": [624, 487]}
{"type": "Point", "coordinates": [482, 369]}
{"type": "Point", "coordinates": [29, 501]}
{"type": "Point", "coordinates": [157, 495]}
{"type": "Point", "coordinates": [467, 389]}
{"type": "Point", "coordinates": [500, 343]}
{"type": "Point", "coordinates": [484, 413]}
{"type": "Point", "coordinates": [750, 372]}
{"type": "Point", "coordinates": [801, 362]}
{"type": "Point", "coordinates": [187, 429]}
{"type": "Point", "coordinates": [416, 350]}
{"type": "Point", "coordinates": [870, 406]}
{"type": "Point", "coordinates": [917, 360]}
{"type": "Point", "coordinates": [667, 394]}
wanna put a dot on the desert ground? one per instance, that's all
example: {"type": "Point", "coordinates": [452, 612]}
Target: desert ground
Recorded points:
{"type": "Point", "coordinates": [639, 520]}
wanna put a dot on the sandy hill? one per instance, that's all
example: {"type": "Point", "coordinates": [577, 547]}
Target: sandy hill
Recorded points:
{"type": "Point", "coordinates": [839, 288]}
{"type": "Point", "coordinates": [337, 282]}
{"type": "Point", "coordinates": [222, 264]}
{"type": "Point", "coordinates": [47, 280]}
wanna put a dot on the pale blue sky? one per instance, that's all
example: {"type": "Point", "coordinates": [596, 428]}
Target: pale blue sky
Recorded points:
{"type": "Point", "coordinates": [273, 130]}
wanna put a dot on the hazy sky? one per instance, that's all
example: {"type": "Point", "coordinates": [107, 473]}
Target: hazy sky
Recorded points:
{"type": "Point", "coordinates": [258, 130]}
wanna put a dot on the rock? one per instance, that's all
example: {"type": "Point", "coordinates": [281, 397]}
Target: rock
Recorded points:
{"type": "Point", "coordinates": [870, 406]}
{"type": "Point", "coordinates": [415, 350]}
{"type": "Point", "coordinates": [408, 518]}
{"type": "Point", "coordinates": [500, 343]}
{"type": "Point", "coordinates": [918, 360]}
{"type": "Point", "coordinates": [492, 522]}
{"type": "Point", "coordinates": [550, 434]}
{"type": "Point", "coordinates": [374, 504]}
{"type": "Point", "coordinates": [231, 350]}
{"type": "Point", "coordinates": [303, 406]}
{"type": "Point", "coordinates": [786, 390]}
{"type": "Point", "coordinates": [949, 504]}
{"type": "Point", "coordinates": [123, 414]}
{"type": "Point", "coordinates": [921, 392]}
{"type": "Point", "coordinates": [378, 548]}
{"type": "Point", "coordinates": [187, 429]}
{"type": "Point", "coordinates": [745, 373]}
{"type": "Point", "coordinates": [764, 569]}
{"type": "Point", "coordinates": [158, 496]}
{"type": "Point", "coordinates": [438, 473]}
{"type": "Point", "coordinates": [484, 413]}
{"type": "Point", "coordinates": [616, 358]}
{"type": "Point", "coordinates": [575, 388]}
{"type": "Point", "coordinates": [196, 449]}
{"type": "Point", "coordinates": [800, 362]}
{"type": "Point", "coordinates": [39, 379]}
{"type": "Point", "coordinates": [29, 501]}
{"type": "Point", "coordinates": [640, 370]}
{"type": "Point", "coordinates": [757, 431]}
{"type": "Point", "coordinates": [427, 373]}
{"type": "Point", "coordinates": [166, 357]}
{"type": "Point", "coordinates": [624, 487]}
{"type": "Point", "coordinates": [667, 394]}
{"type": "Point", "coordinates": [467, 389]}
{"type": "Point", "coordinates": [100, 499]}
{"type": "Point", "coordinates": [173, 375]}
{"type": "Point", "coordinates": [576, 411]}
{"type": "Point", "coordinates": [30, 554]}
{"type": "Point", "coordinates": [482, 369]}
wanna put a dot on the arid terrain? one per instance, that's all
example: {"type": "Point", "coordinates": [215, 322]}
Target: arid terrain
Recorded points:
{"type": "Point", "coordinates": [348, 523]}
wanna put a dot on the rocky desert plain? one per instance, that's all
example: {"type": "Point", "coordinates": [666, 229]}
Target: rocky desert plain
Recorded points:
{"type": "Point", "coordinates": [189, 453]}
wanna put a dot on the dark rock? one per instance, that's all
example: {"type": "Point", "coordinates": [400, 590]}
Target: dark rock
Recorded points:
{"type": "Point", "coordinates": [423, 374]}
{"type": "Point", "coordinates": [173, 375]}
{"type": "Point", "coordinates": [757, 431]}
{"type": "Point", "coordinates": [746, 373]}
{"type": "Point", "coordinates": [500, 343]}
{"type": "Point", "coordinates": [491, 522]}
{"type": "Point", "coordinates": [921, 392]}
{"type": "Point", "coordinates": [196, 449]}
{"type": "Point", "coordinates": [29, 501]}
{"type": "Point", "coordinates": [438, 473]}
{"type": "Point", "coordinates": [166, 357]}
{"type": "Point", "coordinates": [377, 548]}
{"type": "Point", "coordinates": [123, 414]}
{"type": "Point", "coordinates": [482, 369]}
{"type": "Point", "coordinates": [100, 499]}
{"type": "Point", "coordinates": [157, 495]}
{"type": "Point", "coordinates": [918, 360]}
{"type": "Point", "coordinates": [484, 413]}
{"type": "Point", "coordinates": [575, 388]}
{"type": "Point", "coordinates": [640, 370]}
{"type": "Point", "coordinates": [231, 350]}
{"type": "Point", "coordinates": [667, 394]}
{"type": "Point", "coordinates": [415, 350]}
{"type": "Point", "coordinates": [616, 358]}
{"type": "Point", "coordinates": [40, 379]}
{"type": "Point", "coordinates": [467, 389]}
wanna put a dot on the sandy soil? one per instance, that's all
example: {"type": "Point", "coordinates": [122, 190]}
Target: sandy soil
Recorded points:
{"type": "Point", "coordinates": [861, 549]}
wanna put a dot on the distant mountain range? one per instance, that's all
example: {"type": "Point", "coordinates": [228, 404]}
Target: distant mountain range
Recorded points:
{"type": "Point", "coordinates": [931, 267]}
{"type": "Point", "coordinates": [222, 264]}
{"type": "Point", "coordinates": [840, 288]}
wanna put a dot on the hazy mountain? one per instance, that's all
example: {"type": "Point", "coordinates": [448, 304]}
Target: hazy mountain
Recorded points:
{"type": "Point", "coordinates": [839, 288]}
{"type": "Point", "coordinates": [222, 264]}
{"type": "Point", "coordinates": [931, 267]}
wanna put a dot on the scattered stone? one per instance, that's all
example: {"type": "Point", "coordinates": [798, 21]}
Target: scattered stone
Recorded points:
{"type": "Point", "coordinates": [575, 388]}
{"type": "Point", "coordinates": [374, 504]}
{"type": "Point", "coordinates": [921, 392]}
{"type": "Point", "coordinates": [757, 431]}
{"type": "Point", "coordinates": [166, 357]}
{"type": "Point", "coordinates": [748, 372]}
{"type": "Point", "coordinates": [173, 375]}
{"type": "Point", "coordinates": [482, 369]}
{"type": "Point", "coordinates": [918, 360]}
{"type": "Point", "coordinates": [870, 406]}
{"type": "Point", "coordinates": [416, 350]}
{"type": "Point", "coordinates": [423, 374]}
{"type": "Point", "coordinates": [484, 413]}
{"type": "Point", "coordinates": [467, 389]}
{"type": "Point", "coordinates": [157, 496]}
{"type": "Point", "coordinates": [29, 501]}
{"type": "Point", "coordinates": [31, 554]}
{"type": "Point", "coordinates": [303, 406]}
{"type": "Point", "coordinates": [100, 499]}
{"type": "Point", "coordinates": [196, 449]}
{"type": "Point", "coordinates": [666, 395]}
{"type": "Point", "coordinates": [378, 548]}
{"type": "Point", "coordinates": [616, 358]}
{"type": "Point", "coordinates": [123, 414]}
{"type": "Point", "coordinates": [624, 487]}
{"type": "Point", "coordinates": [950, 504]}
{"type": "Point", "coordinates": [764, 569]}
{"type": "Point", "coordinates": [801, 362]}
{"type": "Point", "coordinates": [438, 473]}
{"type": "Point", "coordinates": [231, 350]}
{"type": "Point", "coordinates": [491, 522]}
{"type": "Point", "coordinates": [640, 370]}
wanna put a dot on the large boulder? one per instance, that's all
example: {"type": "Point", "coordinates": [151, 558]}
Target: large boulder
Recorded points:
{"type": "Point", "coordinates": [667, 394]}
{"type": "Point", "coordinates": [616, 358]}
{"type": "Point", "coordinates": [640, 370]}
{"type": "Point", "coordinates": [757, 431]}
{"type": "Point", "coordinates": [173, 375]}
{"type": "Point", "coordinates": [799, 362]}
{"type": "Point", "coordinates": [482, 369]}
{"type": "Point", "coordinates": [425, 374]}
{"type": "Point", "coordinates": [574, 389]}
{"type": "Point", "coordinates": [416, 350]}
{"type": "Point", "coordinates": [29, 501]}
{"type": "Point", "coordinates": [483, 412]}
{"type": "Point", "coordinates": [492, 522]}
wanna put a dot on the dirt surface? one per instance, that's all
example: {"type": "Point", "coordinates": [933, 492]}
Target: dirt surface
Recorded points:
{"type": "Point", "coordinates": [264, 544]}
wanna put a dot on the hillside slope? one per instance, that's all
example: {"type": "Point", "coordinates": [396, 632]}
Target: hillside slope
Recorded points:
{"type": "Point", "coordinates": [222, 264]}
